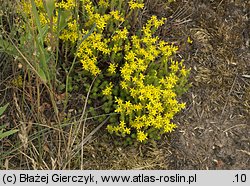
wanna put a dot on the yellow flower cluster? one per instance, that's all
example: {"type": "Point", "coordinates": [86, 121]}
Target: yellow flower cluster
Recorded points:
{"type": "Point", "coordinates": [67, 5]}
{"type": "Point", "coordinates": [147, 77]}
{"type": "Point", "coordinates": [95, 17]}
{"type": "Point", "coordinates": [108, 90]}
{"type": "Point", "coordinates": [104, 3]}
{"type": "Point", "coordinates": [120, 34]}
{"type": "Point", "coordinates": [71, 34]}
{"type": "Point", "coordinates": [141, 136]}
{"type": "Point", "coordinates": [120, 128]}
{"type": "Point", "coordinates": [89, 49]}
{"type": "Point", "coordinates": [127, 108]}
{"type": "Point", "coordinates": [116, 15]}
{"type": "Point", "coordinates": [155, 99]}
{"type": "Point", "coordinates": [112, 68]}
{"type": "Point", "coordinates": [134, 5]}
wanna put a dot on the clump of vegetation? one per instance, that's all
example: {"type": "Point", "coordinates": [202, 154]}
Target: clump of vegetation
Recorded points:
{"type": "Point", "coordinates": [127, 70]}
{"type": "Point", "coordinates": [134, 73]}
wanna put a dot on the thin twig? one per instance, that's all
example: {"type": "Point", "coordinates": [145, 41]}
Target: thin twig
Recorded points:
{"type": "Point", "coordinates": [244, 151]}
{"type": "Point", "coordinates": [84, 141]}
{"type": "Point", "coordinates": [83, 112]}
{"type": "Point", "coordinates": [240, 125]}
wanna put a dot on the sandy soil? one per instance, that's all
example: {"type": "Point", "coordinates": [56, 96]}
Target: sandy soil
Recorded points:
{"type": "Point", "coordinates": [214, 129]}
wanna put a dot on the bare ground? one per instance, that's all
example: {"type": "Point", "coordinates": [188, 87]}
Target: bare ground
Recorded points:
{"type": "Point", "coordinates": [214, 129]}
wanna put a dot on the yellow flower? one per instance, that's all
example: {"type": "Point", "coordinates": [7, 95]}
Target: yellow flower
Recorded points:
{"type": "Point", "coordinates": [127, 47]}
{"type": "Point", "coordinates": [104, 3]}
{"type": "Point", "coordinates": [134, 5]}
{"type": "Point", "coordinates": [147, 98]}
{"type": "Point", "coordinates": [43, 18]}
{"type": "Point", "coordinates": [174, 66]}
{"type": "Point", "coordinates": [138, 107]}
{"type": "Point", "coordinates": [89, 65]}
{"type": "Point", "coordinates": [134, 79]}
{"type": "Point", "coordinates": [70, 34]}
{"type": "Point", "coordinates": [141, 136]}
{"type": "Point", "coordinates": [133, 92]}
{"type": "Point", "coordinates": [116, 16]}
{"type": "Point", "coordinates": [141, 66]}
{"type": "Point", "coordinates": [137, 124]}
{"type": "Point", "coordinates": [120, 34]}
{"type": "Point", "coordinates": [39, 3]}
{"type": "Point", "coordinates": [119, 109]}
{"type": "Point", "coordinates": [189, 40]}
{"type": "Point", "coordinates": [157, 22]}
{"type": "Point", "coordinates": [89, 8]}
{"type": "Point", "coordinates": [169, 127]}
{"type": "Point", "coordinates": [124, 85]}
{"type": "Point", "coordinates": [122, 124]}
{"type": "Point", "coordinates": [184, 72]}
{"type": "Point", "coordinates": [100, 21]}
{"type": "Point", "coordinates": [112, 68]}
{"type": "Point", "coordinates": [135, 41]}
{"type": "Point", "coordinates": [182, 105]}
{"type": "Point", "coordinates": [127, 130]}
{"type": "Point", "coordinates": [130, 56]}
{"type": "Point", "coordinates": [110, 129]}
{"type": "Point", "coordinates": [129, 107]}
{"type": "Point", "coordinates": [108, 90]}
{"type": "Point", "coordinates": [116, 48]}
{"type": "Point", "coordinates": [119, 101]}
{"type": "Point", "coordinates": [68, 5]}
{"type": "Point", "coordinates": [126, 72]}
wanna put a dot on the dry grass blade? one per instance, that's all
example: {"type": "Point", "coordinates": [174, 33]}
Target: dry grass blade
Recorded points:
{"type": "Point", "coordinates": [75, 134]}
{"type": "Point", "coordinates": [179, 16]}
{"type": "Point", "coordinates": [246, 76]}
{"type": "Point", "coordinates": [235, 126]}
{"type": "Point", "coordinates": [79, 146]}
{"type": "Point", "coordinates": [244, 151]}
{"type": "Point", "coordinates": [229, 93]}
